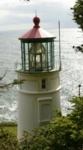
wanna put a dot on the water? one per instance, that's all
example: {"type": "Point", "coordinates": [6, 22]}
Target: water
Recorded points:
{"type": "Point", "coordinates": [70, 77]}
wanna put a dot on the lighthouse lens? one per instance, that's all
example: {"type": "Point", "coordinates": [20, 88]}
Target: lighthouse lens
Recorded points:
{"type": "Point", "coordinates": [37, 58]}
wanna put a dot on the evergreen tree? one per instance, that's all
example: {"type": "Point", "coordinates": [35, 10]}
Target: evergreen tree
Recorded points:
{"type": "Point", "coordinates": [77, 11]}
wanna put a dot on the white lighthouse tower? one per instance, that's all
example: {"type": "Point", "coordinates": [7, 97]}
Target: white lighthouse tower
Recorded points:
{"type": "Point", "coordinates": [40, 92]}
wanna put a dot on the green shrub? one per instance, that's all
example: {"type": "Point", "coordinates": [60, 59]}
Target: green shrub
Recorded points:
{"type": "Point", "coordinates": [7, 140]}
{"type": "Point", "coordinates": [62, 133]}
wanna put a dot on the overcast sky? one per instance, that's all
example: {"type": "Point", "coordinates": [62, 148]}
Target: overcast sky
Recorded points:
{"type": "Point", "coordinates": [18, 14]}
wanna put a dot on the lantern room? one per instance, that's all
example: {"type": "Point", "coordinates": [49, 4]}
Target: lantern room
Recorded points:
{"type": "Point", "coordinates": [37, 49]}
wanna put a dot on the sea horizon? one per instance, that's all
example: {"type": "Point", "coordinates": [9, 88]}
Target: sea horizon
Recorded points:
{"type": "Point", "coordinates": [70, 75]}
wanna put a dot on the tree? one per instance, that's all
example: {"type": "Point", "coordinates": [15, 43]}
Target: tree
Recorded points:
{"type": "Point", "coordinates": [77, 113]}
{"type": "Point", "coordinates": [8, 85]}
{"type": "Point", "coordinates": [77, 11]}
{"type": "Point", "coordinates": [62, 133]}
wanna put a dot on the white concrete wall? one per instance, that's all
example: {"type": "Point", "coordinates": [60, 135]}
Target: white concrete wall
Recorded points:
{"type": "Point", "coordinates": [32, 97]}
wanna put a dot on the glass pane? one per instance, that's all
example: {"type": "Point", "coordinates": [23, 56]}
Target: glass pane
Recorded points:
{"type": "Point", "coordinates": [43, 86]}
{"type": "Point", "coordinates": [38, 58]}
{"type": "Point", "coordinates": [32, 61]}
{"type": "Point", "coordinates": [43, 80]}
{"type": "Point", "coordinates": [26, 48]}
{"type": "Point", "coordinates": [26, 57]}
{"type": "Point", "coordinates": [43, 83]}
{"type": "Point", "coordinates": [38, 48]}
{"type": "Point", "coordinates": [43, 57]}
{"type": "Point", "coordinates": [31, 57]}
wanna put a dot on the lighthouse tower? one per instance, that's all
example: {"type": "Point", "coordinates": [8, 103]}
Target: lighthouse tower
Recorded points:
{"type": "Point", "coordinates": [40, 69]}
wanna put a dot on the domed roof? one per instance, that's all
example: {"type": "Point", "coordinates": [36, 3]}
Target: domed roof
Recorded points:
{"type": "Point", "coordinates": [36, 31]}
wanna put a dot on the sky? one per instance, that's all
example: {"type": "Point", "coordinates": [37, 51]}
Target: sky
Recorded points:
{"type": "Point", "coordinates": [19, 14]}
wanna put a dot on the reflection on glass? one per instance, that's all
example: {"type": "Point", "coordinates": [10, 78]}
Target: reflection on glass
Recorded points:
{"type": "Point", "coordinates": [37, 58]}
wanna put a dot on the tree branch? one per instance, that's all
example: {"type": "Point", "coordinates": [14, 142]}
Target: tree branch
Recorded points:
{"type": "Point", "coordinates": [15, 82]}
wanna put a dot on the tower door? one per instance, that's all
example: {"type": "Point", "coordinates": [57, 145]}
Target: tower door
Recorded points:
{"type": "Point", "coordinates": [38, 61]}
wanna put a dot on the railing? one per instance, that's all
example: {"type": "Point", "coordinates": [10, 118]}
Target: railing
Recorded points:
{"type": "Point", "coordinates": [18, 67]}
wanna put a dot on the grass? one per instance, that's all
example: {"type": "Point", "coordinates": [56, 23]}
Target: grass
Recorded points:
{"type": "Point", "coordinates": [12, 129]}
{"type": "Point", "coordinates": [10, 126]}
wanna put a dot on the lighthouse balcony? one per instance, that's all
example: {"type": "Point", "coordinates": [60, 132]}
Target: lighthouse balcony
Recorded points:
{"type": "Point", "coordinates": [38, 69]}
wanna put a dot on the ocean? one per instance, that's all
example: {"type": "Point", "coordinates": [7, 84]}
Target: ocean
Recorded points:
{"type": "Point", "coordinates": [71, 74]}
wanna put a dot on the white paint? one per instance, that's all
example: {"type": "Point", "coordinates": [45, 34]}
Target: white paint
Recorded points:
{"type": "Point", "coordinates": [35, 105]}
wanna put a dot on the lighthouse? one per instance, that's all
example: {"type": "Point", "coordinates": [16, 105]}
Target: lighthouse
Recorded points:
{"type": "Point", "coordinates": [40, 68]}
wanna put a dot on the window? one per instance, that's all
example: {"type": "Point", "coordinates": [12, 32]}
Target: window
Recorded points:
{"type": "Point", "coordinates": [37, 56]}
{"type": "Point", "coordinates": [43, 83]}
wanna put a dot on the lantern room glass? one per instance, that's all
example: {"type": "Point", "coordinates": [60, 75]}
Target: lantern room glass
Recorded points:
{"type": "Point", "coordinates": [37, 56]}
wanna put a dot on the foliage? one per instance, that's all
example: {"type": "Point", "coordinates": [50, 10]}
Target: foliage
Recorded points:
{"type": "Point", "coordinates": [77, 114]}
{"type": "Point", "coordinates": [77, 11]}
{"type": "Point", "coordinates": [78, 48]}
{"type": "Point", "coordinates": [15, 82]}
{"type": "Point", "coordinates": [7, 140]}
{"type": "Point", "coordinates": [62, 133]}
{"type": "Point", "coordinates": [13, 130]}
{"type": "Point", "coordinates": [11, 84]}
{"type": "Point", "coordinates": [8, 124]}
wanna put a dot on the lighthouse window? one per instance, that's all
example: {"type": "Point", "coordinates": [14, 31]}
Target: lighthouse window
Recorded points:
{"type": "Point", "coordinates": [43, 83]}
